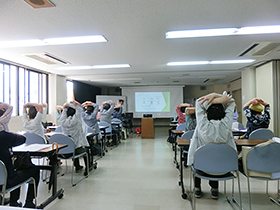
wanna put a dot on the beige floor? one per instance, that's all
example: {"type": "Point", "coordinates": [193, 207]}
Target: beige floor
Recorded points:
{"type": "Point", "coordinates": [140, 175]}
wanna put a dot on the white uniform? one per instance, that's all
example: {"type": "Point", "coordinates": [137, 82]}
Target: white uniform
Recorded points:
{"type": "Point", "coordinates": [34, 125]}
{"type": "Point", "coordinates": [73, 126]}
{"type": "Point", "coordinates": [213, 131]}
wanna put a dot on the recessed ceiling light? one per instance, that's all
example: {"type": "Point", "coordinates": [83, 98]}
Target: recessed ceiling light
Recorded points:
{"type": "Point", "coordinates": [200, 33]}
{"type": "Point", "coordinates": [223, 32]}
{"type": "Point", "coordinates": [232, 61]}
{"type": "Point", "coordinates": [186, 63]}
{"type": "Point", "coordinates": [53, 41]}
{"type": "Point", "coordinates": [75, 40]}
{"type": "Point", "coordinates": [73, 68]}
{"type": "Point", "coordinates": [111, 66]}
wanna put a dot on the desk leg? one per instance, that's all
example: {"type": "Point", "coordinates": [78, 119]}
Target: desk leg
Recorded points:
{"type": "Point", "coordinates": [52, 182]}
{"type": "Point", "coordinates": [175, 152]}
{"type": "Point", "coordinates": [181, 182]}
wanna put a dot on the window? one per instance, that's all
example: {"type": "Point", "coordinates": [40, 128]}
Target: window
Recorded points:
{"type": "Point", "coordinates": [19, 85]}
{"type": "Point", "coordinates": [70, 92]}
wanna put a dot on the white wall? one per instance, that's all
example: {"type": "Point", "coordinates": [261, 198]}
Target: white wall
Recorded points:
{"type": "Point", "coordinates": [264, 87]}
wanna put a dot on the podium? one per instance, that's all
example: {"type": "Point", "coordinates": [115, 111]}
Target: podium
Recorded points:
{"type": "Point", "coordinates": [147, 128]}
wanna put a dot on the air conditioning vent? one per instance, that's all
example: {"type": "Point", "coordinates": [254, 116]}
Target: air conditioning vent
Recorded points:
{"type": "Point", "coordinates": [260, 49]}
{"type": "Point", "coordinates": [47, 58]}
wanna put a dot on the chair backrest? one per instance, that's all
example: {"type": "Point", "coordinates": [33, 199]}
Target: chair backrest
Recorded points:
{"type": "Point", "coordinates": [3, 173]}
{"type": "Point", "coordinates": [182, 126]}
{"type": "Point", "coordinates": [216, 159]}
{"type": "Point", "coordinates": [261, 133]}
{"type": "Point", "coordinates": [107, 130]}
{"type": "Point", "coordinates": [58, 129]}
{"type": "Point", "coordinates": [63, 139]}
{"type": "Point", "coordinates": [264, 158]}
{"type": "Point", "coordinates": [90, 130]}
{"type": "Point", "coordinates": [187, 135]}
{"type": "Point", "coordinates": [33, 138]}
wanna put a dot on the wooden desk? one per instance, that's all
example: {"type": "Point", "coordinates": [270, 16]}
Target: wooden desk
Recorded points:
{"type": "Point", "coordinates": [250, 142]}
{"type": "Point", "coordinates": [147, 128]}
{"type": "Point", "coordinates": [49, 152]}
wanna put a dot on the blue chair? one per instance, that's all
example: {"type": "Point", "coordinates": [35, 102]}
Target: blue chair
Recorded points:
{"type": "Point", "coordinates": [58, 129]}
{"type": "Point", "coordinates": [3, 183]}
{"type": "Point", "coordinates": [261, 133]}
{"type": "Point", "coordinates": [263, 159]}
{"type": "Point", "coordinates": [33, 138]}
{"type": "Point", "coordinates": [70, 149]}
{"type": "Point", "coordinates": [219, 162]}
{"type": "Point", "coordinates": [107, 133]}
{"type": "Point", "coordinates": [182, 127]}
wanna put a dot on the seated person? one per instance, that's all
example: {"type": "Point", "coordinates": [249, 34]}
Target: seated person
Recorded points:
{"type": "Point", "coordinates": [5, 116]}
{"type": "Point", "coordinates": [190, 118]}
{"type": "Point", "coordinates": [106, 111]}
{"type": "Point", "coordinates": [72, 125]}
{"type": "Point", "coordinates": [89, 115]}
{"type": "Point", "coordinates": [32, 119]}
{"type": "Point", "coordinates": [117, 113]}
{"type": "Point", "coordinates": [180, 109]}
{"type": "Point", "coordinates": [253, 111]}
{"type": "Point", "coordinates": [7, 141]}
{"type": "Point", "coordinates": [58, 109]}
{"type": "Point", "coordinates": [214, 114]}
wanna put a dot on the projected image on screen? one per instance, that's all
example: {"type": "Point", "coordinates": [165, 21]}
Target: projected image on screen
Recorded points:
{"type": "Point", "coordinates": [152, 101]}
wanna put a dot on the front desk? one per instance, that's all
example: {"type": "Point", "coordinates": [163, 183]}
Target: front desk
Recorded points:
{"type": "Point", "coordinates": [147, 128]}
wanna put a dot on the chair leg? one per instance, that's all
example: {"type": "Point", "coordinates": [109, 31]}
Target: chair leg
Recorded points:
{"type": "Point", "coordinates": [249, 193]}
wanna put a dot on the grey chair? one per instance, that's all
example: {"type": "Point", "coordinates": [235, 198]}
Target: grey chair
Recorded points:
{"type": "Point", "coordinates": [70, 149]}
{"type": "Point", "coordinates": [219, 162]}
{"type": "Point", "coordinates": [33, 138]}
{"type": "Point", "coordinates": [182, 127]}
{"type": "Point", "coordinates": [58, 129]}
{"type": "Point", "coordinates": [187, 134]}
{"type": "Point", "coordinates": [264, 159]}
{"type": "Point", "coordinates": [3, 183]}
{"type": "Point", "coordinates": [261, 133]}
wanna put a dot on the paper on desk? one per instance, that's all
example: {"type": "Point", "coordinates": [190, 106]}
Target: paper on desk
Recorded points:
{"type": "Point", "coordinates": [276, 139]}
{"type": "Point", "coordinates": [31, 147]}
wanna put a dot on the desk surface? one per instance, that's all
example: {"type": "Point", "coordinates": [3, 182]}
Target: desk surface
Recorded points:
{"type": "Point", "coordinates": [178, 131]}
{"type": "Point", "coordinates": [239, 142]}
{"type": "Point", "coordinates": [45, 151]}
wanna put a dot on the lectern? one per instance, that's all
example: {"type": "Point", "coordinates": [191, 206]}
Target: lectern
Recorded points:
{"type": "Point", "coordinates": [147, 128]}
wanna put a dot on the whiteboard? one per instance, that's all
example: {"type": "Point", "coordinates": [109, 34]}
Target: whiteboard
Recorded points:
{"type": "Point", "coordinates": [101, 98]}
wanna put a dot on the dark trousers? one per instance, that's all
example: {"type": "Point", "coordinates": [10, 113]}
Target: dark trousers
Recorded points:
{"type": "Point", "coordinates": [23, 175]}
{"type": "Point", "coordinates": [213, 184]}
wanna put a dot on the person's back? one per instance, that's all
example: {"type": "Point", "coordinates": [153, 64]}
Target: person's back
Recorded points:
{"type": "Point", "coordinates": [117, 113]}
{"type": "Point", "coordinates": [253, 112]}
{"type": "Point", "coordinates": [72, 125]}
{"type": "Point", "coordinates": [106, 111]}
{"type": "Point", "coordinates": [214, 122]}
{"type": "Point", "coordinates": [32, 119]}
{"type": "Point", "coordinates": [89, 115]}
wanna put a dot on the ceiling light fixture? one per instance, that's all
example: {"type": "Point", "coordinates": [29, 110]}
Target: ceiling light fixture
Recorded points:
{"type": "Point", "coordinates": [187, 63]}
{"type": "Point", "coordinates": [232, 61]}
{"type": "Point", "coordinates": [111, 66]}
{"type": "Point", "coordinates": [223, 32]}
{"type": "Point", "coordinates": [53, 41]}
{"type": "Point", "coordinates": [73, 68]}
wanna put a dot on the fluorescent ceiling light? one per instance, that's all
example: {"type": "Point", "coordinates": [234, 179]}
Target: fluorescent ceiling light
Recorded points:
{"type": "Point", "coordinates": [223, 32]}
{"type": "Point", "coordinates": [118, 79]}
{"type": "Point", "coordinates": [200, 33]}
{"type": "Point", "coordinates": [75, 40]}
{"type": "Point", "coordinates": [53, 41]}
{"type": "Point", "coordinates": [73, 68]}
{"type": "Point", "coordinates": [259, 30]}
{"type": "Point", "coordinates": [232, 61]}
{"type": "Point", "coordinates": [111, 66]}
{"type": "Point", "coordinates": [186, 63]}
{"type": "Point", "coordinates": [23, 43]}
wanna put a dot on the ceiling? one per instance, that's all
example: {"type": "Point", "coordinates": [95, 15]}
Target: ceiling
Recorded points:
{"type": "Point", "coordinates": [135, 30]}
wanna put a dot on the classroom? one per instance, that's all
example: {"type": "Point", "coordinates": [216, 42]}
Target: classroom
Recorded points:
{"type": "Point", "coordinates": [128, 49]}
